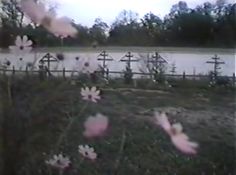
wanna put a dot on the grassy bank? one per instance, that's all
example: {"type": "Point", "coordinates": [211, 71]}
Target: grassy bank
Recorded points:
{"type": "Point", "coordinates": [34, 113]}
{"type": "Point", "coordinates": [140, 49]}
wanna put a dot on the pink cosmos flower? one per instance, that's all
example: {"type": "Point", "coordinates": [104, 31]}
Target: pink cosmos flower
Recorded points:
{"type": "Point", "coordinates": [95, 126]}
{"type": "Point", "coordinates": [90, 94]}
{"type": "Point", "coordinates": [162, 120]}
{"type": "Point", "coordinates": [38, 14]}
{"type": "Point", "coordinates": [87, 152]}
{"type": "Point", "coordinates": [88, 65]}
{"type": "Point", "coordinates": [22, 45]}
{"type": "Point", "coordinates": [175, 131]}
{"type": "Point", "coordinates": [181, 141]}
{"type": "Point", "coordinates": [59, 161]}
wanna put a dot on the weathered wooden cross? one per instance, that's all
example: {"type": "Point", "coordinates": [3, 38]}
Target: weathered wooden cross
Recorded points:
{"type": "Point", "coordinates": [48, 58]}
{"type": "Point", "coordinates": [129, 59]}
{"type": "Point", "coordinates": [157, 60]}
{"type": "Point", "coordinates": [173, 69]}
{"type": "Point", "coordinates": [103, 56]}
{"type": "Point", "coordinates": [216, 61]}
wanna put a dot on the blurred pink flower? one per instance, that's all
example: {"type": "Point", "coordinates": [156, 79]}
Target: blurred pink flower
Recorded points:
{"type": "Point", "coordinates": [87, 152]}
{"type": "Point", "coordinates": [175, 131]}
{"type": "Point", "coordinates": [61, 27]}
{"type": "Point", "coordinates": [90, 94]}
{"type": "Point", "coordinates": [59, 161]}
{"type": "Point", "coordinates": [181, 141]}
{"type": "Point", "coordinates": [22, 45]}
{"type": "Point", "coordinates": [38, 14]}
{"type": "Point", "coordinates": [95, 126]}
{"type": "Point", "coordinates": [88, 65]}
{"type": "Point", "coordinates": [162, 120]}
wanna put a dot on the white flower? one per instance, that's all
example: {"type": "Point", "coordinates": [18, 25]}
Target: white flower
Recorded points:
{"type": "Point", "coordinates": [22, 45]}
{"type": "Point", "coordinates": [90, 94]}
{"type": "Point", "coordinates": [59, 161]}
{"type": "Point", "coordinates": [38, 14]}
{"type": "Point", "coordinates": [178, 128]}
{"type": "Point", "coordinates": [175, 131]}
{"type": "Point", "coordinates": [95, 126]}
{"type": "Point", "coordinates": [88, 66]}
{"type": "Point", "coordinates": [87, 152]}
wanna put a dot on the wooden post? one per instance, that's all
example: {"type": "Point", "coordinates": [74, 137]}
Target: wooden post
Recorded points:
{"type": "Point", "coordinates": [103, 56]}
{"type": "Point", "coordinates": [48, 58]}
{"type": "Point", "coordinates": [64, 73]}
{"type": "Point", "coordinates": [184, 75]}
{"type": "Point", "coordinates": [233, 79]}
{"type": "Point", "coordinates": [216, 64]}
{"type": "Point", "coordinates": [41, 72]}
{"type": "Point", "coordinates": [26, 71]}
{"type": "Point", "coordinates": [129, 56]}
{"type": "Point", "coordinates": [129, 59]}
{"type": "Point", "coordinates": [158, 63]}
{"type": "Point", "coordinates": [107, 74]}
{"type": "Point", "coordinates": [173, 69]}
{"type": "Point", "coordinates": [13, 70]}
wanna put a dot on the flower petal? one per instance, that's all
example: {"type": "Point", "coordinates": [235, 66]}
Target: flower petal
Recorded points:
{"type": "Point", "coordinates": [93, 89]}
{"type": "Point", "coordinates": [183, 144]}
{"type": "Point", "coordinates": [97, 97]}
{"type": "Point", "coordinates": [24, 39]}
{"type": "Point", "coordinates": [87, 89]}
{"type": "Point", "coordinates": [28, 43]}
{"type": "Point", "coordinates": [83, 92]}
{"type": "Point", "coordinates": [14, 49]}
{"type": "Point", "coordinates": [177, 127]}
{"type": "Point", "coordinates": [26, 50]}
{"type": "Point", "coordinates": [18, 41]}
{"type": "Point", "coordinates": [95, 126]}
{"type": "Point", "coordinates": [94, 100]}
{"type": "Point", "coordinates": [162, 120]}
{"type": "Point", "coordinates": [35, 11]}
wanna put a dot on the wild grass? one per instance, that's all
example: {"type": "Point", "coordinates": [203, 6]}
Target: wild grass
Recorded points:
{"type": "Point", "coordinates": [34, 113]}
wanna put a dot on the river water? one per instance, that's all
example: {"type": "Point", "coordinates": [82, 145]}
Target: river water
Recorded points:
{"type": "Point", "coordinates": [190, 62]}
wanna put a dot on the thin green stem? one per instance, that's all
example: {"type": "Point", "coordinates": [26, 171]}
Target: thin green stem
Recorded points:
{"type": "Point", "coordinates": [61, 172]}
{"type": "Point", "coordinates": [9, 91]}
{"type": "Point", "coordinates": [72, 120]}
{"type": "Point", "coordinates": [120, 153]}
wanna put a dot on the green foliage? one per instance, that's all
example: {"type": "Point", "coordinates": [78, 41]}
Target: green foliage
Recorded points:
{"type": "Point", "coordinates": [209, 24]}
{"type": "Point", "coordinates": [128, 75]}
{"type": "Point", "coordinates": [39, 113]}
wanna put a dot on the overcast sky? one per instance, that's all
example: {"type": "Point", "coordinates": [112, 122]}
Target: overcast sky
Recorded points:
{"type": "Point", "coordinates": [85, 11]}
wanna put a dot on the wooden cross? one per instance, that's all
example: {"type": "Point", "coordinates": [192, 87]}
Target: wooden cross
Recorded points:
{"type": "Point", "coordinates": [216, 63]}
{"type": "Point", "coordinates": [103, 57]}
{"type": "Point", "coordinates": [48, 58]}
{"type": "Point", "coordinates": [129, 59]}
{"type": "Point", "coordinates": [157, 60]}
{"type": "Point", "coordinates": [173, 69]}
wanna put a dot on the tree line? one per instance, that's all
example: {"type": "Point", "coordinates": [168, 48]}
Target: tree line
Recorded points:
{"type": "Point", "coordinates": [206, 25]}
